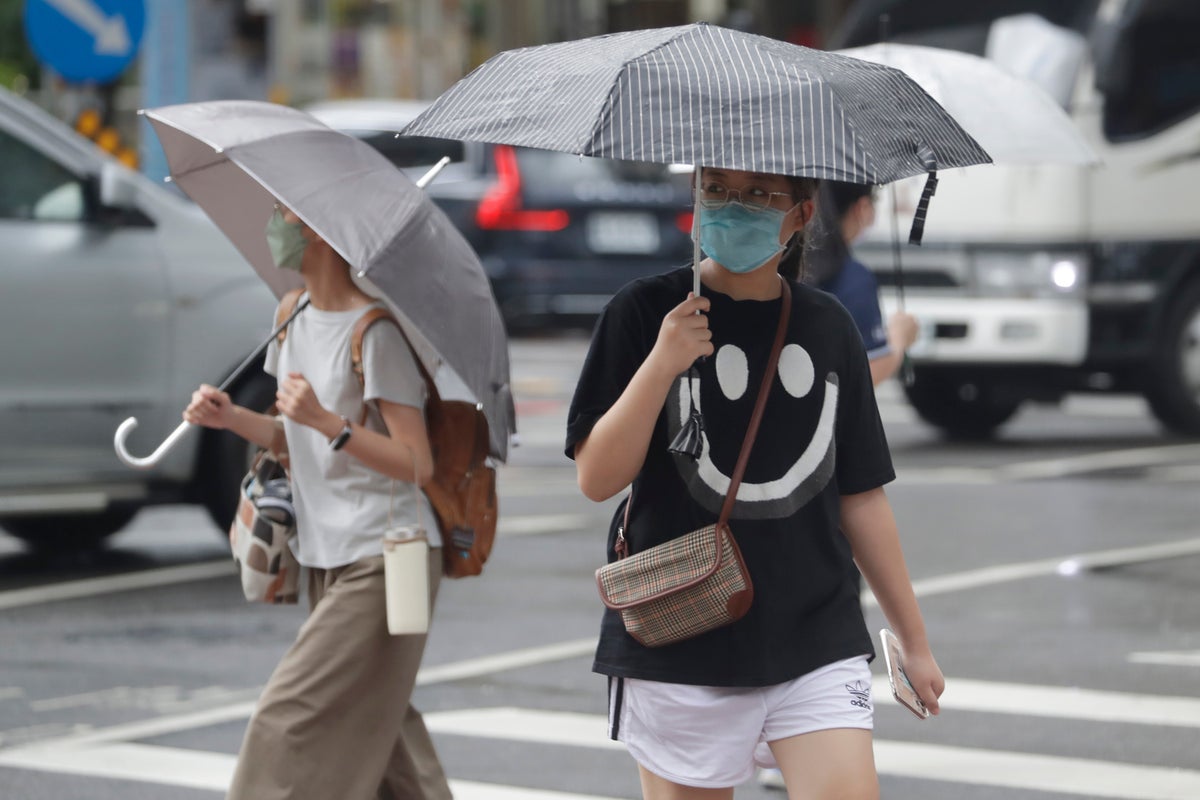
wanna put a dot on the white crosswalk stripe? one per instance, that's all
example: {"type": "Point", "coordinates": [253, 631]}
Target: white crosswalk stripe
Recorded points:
{"type": "Point", "coordinates": [114, 754]}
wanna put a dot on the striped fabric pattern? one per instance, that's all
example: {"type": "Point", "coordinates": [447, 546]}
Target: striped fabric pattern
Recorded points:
{"type": "Point", "coordinates": [702, 94]}
{"type": "Point", "coordinates": [679, 589]}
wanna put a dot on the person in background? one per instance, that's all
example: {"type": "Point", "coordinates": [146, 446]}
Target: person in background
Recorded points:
{"type": "Point", "coordinates": [846, 210]}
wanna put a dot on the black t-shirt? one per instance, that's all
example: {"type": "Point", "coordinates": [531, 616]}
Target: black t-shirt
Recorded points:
{"type": "Point", "coordinates": [820, 437]}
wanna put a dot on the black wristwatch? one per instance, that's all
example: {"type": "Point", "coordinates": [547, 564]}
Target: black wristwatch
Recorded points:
{"type": "Point", "coordinates": [343, 436]}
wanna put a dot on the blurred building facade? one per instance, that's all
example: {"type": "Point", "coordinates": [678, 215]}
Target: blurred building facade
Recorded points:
{"type": "Point", "coordinates": [418, 48]}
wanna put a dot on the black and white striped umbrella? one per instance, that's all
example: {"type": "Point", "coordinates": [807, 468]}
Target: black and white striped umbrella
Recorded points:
{"type": "Point", "coordinates": [705, 95]}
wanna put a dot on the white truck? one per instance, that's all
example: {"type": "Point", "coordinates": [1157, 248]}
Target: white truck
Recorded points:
{"type": "Point", "coordinates": [118, 298]}
{"type": "Point", "coordinates": [1038, 281]}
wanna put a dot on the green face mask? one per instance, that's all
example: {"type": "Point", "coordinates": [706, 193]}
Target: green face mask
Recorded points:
{"type": "Point", "coordinates": [286, 240]}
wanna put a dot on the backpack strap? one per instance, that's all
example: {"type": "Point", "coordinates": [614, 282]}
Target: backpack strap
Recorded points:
{"type": "Point", "coordinates": [287, 306]}
{"type": "Point", "coordinates": [369, 318]}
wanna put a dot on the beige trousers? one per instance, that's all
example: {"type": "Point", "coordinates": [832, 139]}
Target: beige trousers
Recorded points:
{"type": "Point", "coordinates": [335, 721]}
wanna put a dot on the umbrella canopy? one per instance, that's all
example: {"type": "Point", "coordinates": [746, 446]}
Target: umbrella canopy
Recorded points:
{"type": "Point", "coordinates": [706, 95]}
{"type": "Point", "coordinates": [1014, 119]}
{"type": "Point", "coordinates": [236, 158]}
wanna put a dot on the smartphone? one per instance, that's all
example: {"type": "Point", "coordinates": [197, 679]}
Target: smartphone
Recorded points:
{"type": "Point", "coordinates": [902, 688]}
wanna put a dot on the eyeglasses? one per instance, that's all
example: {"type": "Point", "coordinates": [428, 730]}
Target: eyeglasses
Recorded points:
{"type": "Point", "coordinates": [714, 195]}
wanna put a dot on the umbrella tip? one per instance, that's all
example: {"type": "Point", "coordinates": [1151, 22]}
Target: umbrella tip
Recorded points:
{"type": "Point", "coordinates": [167, 179]}
{"type": "Point", "coordinates": [219, 149]}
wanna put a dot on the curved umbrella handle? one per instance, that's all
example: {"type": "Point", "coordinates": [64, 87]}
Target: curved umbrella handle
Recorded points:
{"type": "Point", "coordinates": [146, 462]}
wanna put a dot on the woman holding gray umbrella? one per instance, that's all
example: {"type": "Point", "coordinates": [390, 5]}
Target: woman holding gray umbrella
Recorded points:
{"type": "Point", "coordinates": [335, 718]}
{"type": "Point", "coordinates": [792, 673]}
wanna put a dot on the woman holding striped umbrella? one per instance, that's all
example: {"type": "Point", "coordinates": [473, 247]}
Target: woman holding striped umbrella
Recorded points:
{"type": "Point", "coordinates": [791, 675]}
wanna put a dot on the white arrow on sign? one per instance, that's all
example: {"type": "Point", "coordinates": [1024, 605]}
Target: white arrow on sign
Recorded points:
{"type": "Point", "coordinates": [111, 33]}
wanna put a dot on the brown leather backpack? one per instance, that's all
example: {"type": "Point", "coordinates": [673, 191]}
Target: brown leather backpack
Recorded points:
{"type": "Point", "coordinates": [463, 489]}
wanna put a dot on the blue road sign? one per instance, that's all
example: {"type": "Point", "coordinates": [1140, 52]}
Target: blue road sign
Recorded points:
{"type": "Point", "coordinates": [85, 40]}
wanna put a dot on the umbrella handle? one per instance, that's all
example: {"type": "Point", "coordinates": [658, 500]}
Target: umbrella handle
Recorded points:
{"type": "Point", "coordinates": [149, 461]}
{"type": "Point", "coordinates": [428, 177]}
{"type": "Point", "coordinates": [126, 427]}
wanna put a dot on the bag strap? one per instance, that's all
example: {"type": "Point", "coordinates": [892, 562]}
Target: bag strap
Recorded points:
{"type": "Point", "coordinates": [764, 389]}
{"type": "Point", "coordinates": [760, 404]}
{"type": "Point", "coordinates": [369, 318]}
{"type": "Point", "coordinates": [287, 311]}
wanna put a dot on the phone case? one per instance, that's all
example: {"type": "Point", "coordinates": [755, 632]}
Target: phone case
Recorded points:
{"type": "Point", "coordinates": [902, 689]}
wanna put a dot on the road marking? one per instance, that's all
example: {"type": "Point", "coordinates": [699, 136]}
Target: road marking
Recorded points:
{"type": "Point", "coordinates": [197, 769]}
{"type": "Point", "coordinates": [220, 568]}
{"type": "Point", "coordinates": [1063, 702]}
{"type": "Point", "coordinates": [90, 587]}
{"type": "Point", "coordinates": [1029, 771]}
{"type": "Point", "coordinates": [244, 707]}
{"type": "Point", "coordinates": [1062, 565]}
{"type": "Point", "coordinates": [947, 764]}
{"type": "Point", "coordinates": [9, 692]}
{"type": "Point", "coordinates": [1096, 462]}
{"type": "Point", "coordinates": [541, 523]}
{"type": "Point", "coordinates": [924, 761]}
{"type": "Point", "coordinates": [486, 665]}
{"type": "Point", "coordinates": [1178, 658]}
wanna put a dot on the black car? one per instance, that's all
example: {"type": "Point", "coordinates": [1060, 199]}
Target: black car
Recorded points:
{"type": "Point", "coordinates": [558, 234]}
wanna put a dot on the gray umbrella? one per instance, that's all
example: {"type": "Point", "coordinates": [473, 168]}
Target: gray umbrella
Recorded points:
{"type": "Point", "coordinates": [705, 95]}
{"type": "Point", "coordinates": [235, 158]}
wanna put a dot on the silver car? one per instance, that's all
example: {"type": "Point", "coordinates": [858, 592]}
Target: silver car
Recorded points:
{"type": "Point", "coordinates": [118, 297]}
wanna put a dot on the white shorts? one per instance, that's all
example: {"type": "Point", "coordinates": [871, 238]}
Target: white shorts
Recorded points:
{"type": "Point", "coordinates": [713, 737]}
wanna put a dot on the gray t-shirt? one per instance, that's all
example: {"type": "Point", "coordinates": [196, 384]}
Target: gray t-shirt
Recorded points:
{"type": "Point", "coordinates": [341, 504]}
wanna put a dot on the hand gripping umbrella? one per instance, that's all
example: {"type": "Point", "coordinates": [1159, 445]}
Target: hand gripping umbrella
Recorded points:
{"type": "Point", "coordinates": [236, 158]}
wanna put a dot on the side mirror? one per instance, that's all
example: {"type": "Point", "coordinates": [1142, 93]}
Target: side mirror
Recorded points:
{"type": "Point", "coordinates": [116, 190]}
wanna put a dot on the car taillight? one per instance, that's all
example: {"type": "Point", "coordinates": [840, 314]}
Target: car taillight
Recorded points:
{"type": "Point", "coordinates": [500, 208]}
{"type": "Point", "coordinates": [683, 221]}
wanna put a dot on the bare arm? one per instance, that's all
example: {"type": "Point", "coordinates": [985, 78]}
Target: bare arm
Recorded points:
{"type": "Point", "coordinates": [212, 408]}
{"type": "Point", "coordinates": [403, 453]}
{"type": "Point", "coordinates": [612, 454]}
{"type": "Point", "coordinates": [869, 526]}
{"type": "Point", "coordinates": [902, 332]}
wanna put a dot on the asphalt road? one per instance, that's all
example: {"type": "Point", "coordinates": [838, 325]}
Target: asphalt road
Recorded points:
{"type": "Point", "coordinates": [1058, 569]}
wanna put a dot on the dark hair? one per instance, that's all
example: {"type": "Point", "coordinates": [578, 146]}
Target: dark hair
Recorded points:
{"type": "Point", "coordinates": [828, 250]}
{"type": "Point", "coordinates": [792, 263]}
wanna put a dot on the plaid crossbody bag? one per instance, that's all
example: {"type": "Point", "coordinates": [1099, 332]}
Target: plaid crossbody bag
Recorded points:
{"type": "Point", "coordinates": [697, 582]}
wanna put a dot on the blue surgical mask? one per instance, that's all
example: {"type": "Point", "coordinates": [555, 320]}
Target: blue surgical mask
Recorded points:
{"type": "Point", "coordinates": [740, 240]}
{"type": "Point", "coordinates": [286, 240]}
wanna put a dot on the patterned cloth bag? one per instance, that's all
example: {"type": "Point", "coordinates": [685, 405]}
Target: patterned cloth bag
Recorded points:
{"type": "Point", "coordinates": [262, 527]}
{"type": "Point", "coordinates": [697, 582]}
{"type": "Point", "coordinates": [680, 589]}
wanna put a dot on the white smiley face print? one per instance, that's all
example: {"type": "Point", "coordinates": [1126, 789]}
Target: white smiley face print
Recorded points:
{"type": "Point", "coordinates": [807, 470]}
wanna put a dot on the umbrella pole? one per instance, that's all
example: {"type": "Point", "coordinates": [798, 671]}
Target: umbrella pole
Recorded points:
{"type": "Point", "coordinates": [696, 232]}
{"type": "Point", "coordinates": [127, 427]}
{"type": "Point", "coordinates": [906, 369]}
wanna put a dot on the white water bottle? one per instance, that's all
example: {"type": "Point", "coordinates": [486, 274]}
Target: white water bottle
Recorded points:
{"type": "Point", "coordinates": [406, 572]}
{"type": "Point", "coordinates": [406, 579]}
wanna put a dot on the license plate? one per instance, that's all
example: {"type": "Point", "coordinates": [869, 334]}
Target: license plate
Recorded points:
{"type": "Point", "coordinates": [622, 232]}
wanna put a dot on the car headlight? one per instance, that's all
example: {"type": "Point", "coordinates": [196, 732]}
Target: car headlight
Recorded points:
{"type": "Point", "coordinates": [1038, 273]}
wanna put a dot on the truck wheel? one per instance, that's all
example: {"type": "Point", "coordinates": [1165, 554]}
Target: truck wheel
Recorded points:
{"type": "Point", "coordinates": [961, 408]}
{"type": "Point", "coordinates": [225, 458]}
{"type": "Point", "coordinates": [1174, 388]}
{"type": "Point", "coordinates": [67, 532]}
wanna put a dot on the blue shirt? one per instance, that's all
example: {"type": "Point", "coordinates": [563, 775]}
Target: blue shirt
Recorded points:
{"type": "Point", "coordinates": [855, 286]}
